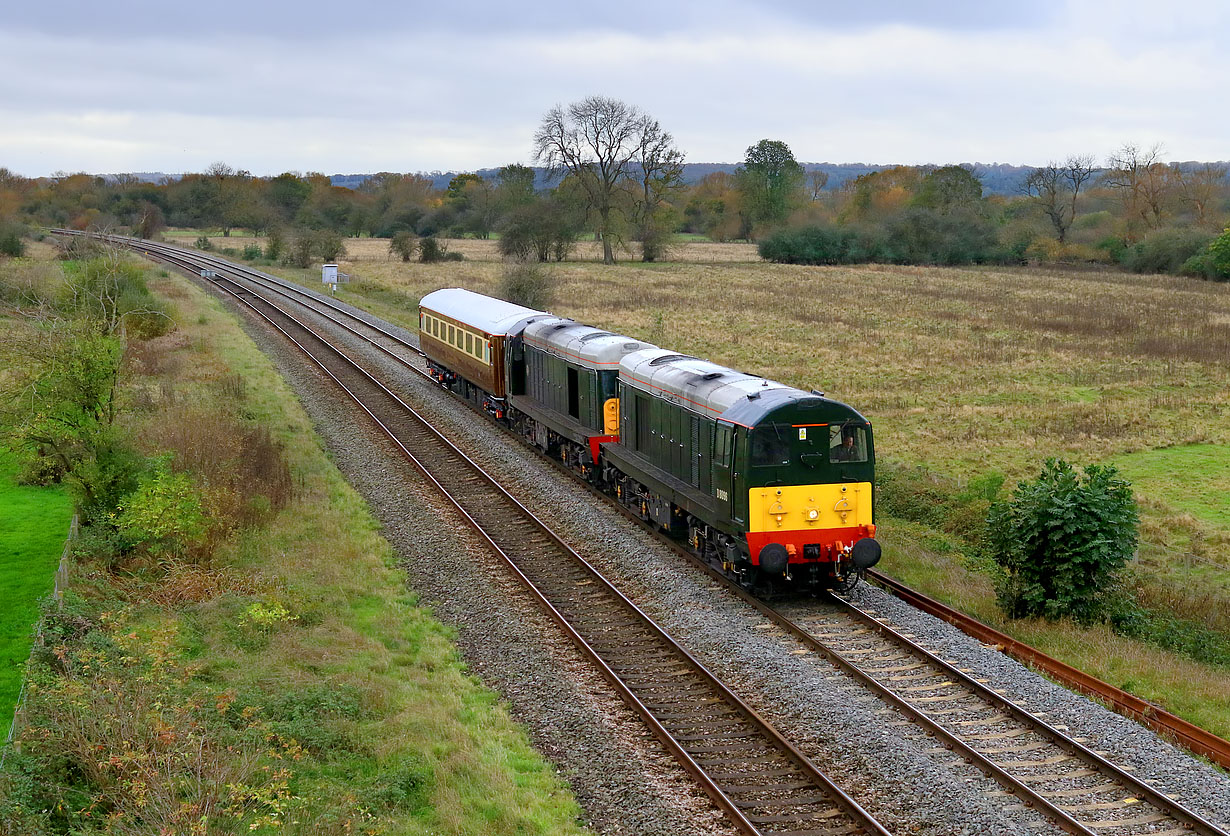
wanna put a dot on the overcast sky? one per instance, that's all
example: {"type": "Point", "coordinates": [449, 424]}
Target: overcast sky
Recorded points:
{"type": "Point", "coordinates": [375, 85]}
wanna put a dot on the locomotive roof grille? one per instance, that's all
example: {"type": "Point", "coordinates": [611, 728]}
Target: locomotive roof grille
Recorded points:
{"type": "Point", "coordinates": [670, 358]}
{"type": "Point", "coordinates": [596, 335]}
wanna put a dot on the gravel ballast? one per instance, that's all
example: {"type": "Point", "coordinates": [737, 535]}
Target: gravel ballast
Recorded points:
{"type": "Point", "coordinates": [622, 776]}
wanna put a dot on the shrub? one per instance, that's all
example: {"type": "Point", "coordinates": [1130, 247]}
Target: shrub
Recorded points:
{"type": "Point", "coordinates": [251, 252]}
{"type": "Point", "coordinates": [926, 236]}
{"type": "Point", "coordinates": [11, 241]}
{"type": "Point", "coordinates": [276, 245]}
{"type": "Point", "coordinates": [809, 245]}
{"type": "Point", "coordinates": [1213, 262]}
{"type": "Point", "coordinates": [432, 250]}
{"type": "Point", "coordinates": [300, 252]}
{"type": "Point", "coordinates": [1165, 251]}
{"type": "Point", "coordinates": [527, 283]}
{"type": "Point", "coordinates": [404, 243]}
{"type": "Point", "coordinates": [328, 245]}
{"type": "Point", "coordinates": [164, 516]}
{"type": "Point", "coordinates": [203, 243]}
{"type": "Point", "coordinates": [542, 231]}
{"type": "Point", "coordinates": [1062, 540]}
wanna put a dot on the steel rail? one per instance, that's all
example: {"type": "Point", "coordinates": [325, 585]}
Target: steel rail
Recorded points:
{"type": "Point", "coordinates": [1191, 737]}
{"type": "Point", "coordinates": [732, 806]}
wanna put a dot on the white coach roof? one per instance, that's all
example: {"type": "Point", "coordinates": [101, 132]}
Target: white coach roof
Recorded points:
{"type": "Point", "coordinates": [491, 316]}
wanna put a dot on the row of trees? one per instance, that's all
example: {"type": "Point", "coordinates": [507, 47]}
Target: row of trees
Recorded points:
{"type": "Point", "coordinates": [611, 170]}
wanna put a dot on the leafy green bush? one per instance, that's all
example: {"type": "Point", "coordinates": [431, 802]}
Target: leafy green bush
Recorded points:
{"type": "Point", "coordinates": [165, 515]}
{"type": "Point", "coordinates": [1213, 262]}
{"type": "Point", "coordinates": [251, 252]}
{"type": "Point", "coordinates": [811, 245]}
{"type": "Point", "coordinates": [1062, 540]}
{"type": "Point", "coordinates": [203, 243]}
{"type": "Point", "coordinates": [403, 244]}
{"type": "Point", "coordinates": [1165, 251]}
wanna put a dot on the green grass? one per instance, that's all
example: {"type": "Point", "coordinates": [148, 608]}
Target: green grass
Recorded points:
{"type": "Point", "coordinates": [33, 525]}
{"type": "Point", "coordinates": [1195, 478]}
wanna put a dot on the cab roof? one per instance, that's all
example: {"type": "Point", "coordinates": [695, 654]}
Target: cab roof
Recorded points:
{"type": "Point", "coordinates": [718, 391]}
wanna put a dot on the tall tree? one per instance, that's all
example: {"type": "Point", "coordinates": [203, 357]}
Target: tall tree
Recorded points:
{"type": "Point", "coordinates": [660, 176]}
{"type": "Point", "coordinates": [1143, 184]}
{"type": "Point", "coordinates": [770, 180]}
{"type": "Point", "coordinates": [1055, 188]}
{"type": "Point", "coordinates": [594, 141]}
{"type": "Point", "coordinates": [947, 188]}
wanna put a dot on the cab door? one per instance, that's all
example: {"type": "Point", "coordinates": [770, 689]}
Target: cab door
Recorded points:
{"type": "Point", "coordinates": [721, 464]}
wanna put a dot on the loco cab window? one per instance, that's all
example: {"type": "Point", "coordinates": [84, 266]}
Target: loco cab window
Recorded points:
{"type": "Point", "coordinates": [770, 446]}
{"type": "Point", "coordinates": [847, 443]}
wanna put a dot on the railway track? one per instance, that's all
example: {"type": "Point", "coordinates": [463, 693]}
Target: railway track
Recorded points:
{"type": "Point", "coordinates": [1037, 763]}
{"type": "Point", "coordinates": [763, 783]}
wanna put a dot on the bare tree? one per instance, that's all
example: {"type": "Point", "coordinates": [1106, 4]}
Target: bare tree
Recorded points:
{"type": "Point", "coordinates": [816, 181]}
{"type": "Point", "coordinates": [1142, 182]}
{"type": "Point", "coordinates": [595, 141]}
{"type": "Point", "coordinates": [661, 174]}
{"type": "Point", "coordinates": [1055, 188]}
{"type": "Point", "coordinates": [1046, 186]}
{"type": "Point", "coordinates": [1078, 170]}
{"type": "Point", "coordinates": [1199, 188]}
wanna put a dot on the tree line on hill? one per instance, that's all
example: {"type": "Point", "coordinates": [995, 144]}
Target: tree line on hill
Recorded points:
{"type": "Point", "coordinates": [609, 170]}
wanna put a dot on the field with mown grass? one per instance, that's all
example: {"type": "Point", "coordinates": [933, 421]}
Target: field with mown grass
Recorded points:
{"type": "Point", "coordinates": [966, 372]}
{"type": "Point", "coordinates": [286, 682]}
{"type": "Point", "coordinates": [33, 524]}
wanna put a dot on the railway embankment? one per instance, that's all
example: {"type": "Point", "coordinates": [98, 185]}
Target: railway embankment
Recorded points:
{"type": "Point", "coordinates": [276, 677]}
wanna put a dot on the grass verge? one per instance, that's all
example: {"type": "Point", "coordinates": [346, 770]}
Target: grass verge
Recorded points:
{"type": "Point", "coordinates": [287, 682]}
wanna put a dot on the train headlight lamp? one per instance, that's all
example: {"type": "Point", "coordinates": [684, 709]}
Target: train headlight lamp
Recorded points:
{"type": "Point", "coordinates": [813, 514]}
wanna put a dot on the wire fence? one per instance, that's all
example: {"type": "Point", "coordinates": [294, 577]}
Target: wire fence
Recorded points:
{"type": "Point", "coordinates": [61, 583]}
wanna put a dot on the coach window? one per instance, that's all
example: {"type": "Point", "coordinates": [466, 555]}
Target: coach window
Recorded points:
{"type": "Point", "coordinates": [469, 343]}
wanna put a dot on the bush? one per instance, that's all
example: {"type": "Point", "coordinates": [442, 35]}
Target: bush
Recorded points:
{"type": "Point", "coordinates": [275, 247]}
{"type": "Point", "coordinates": [300, 252]}
{"type": "Point", "coordinates": [1062, 540]}
{"type": "Point", "coordinates": [403, 244]}
{"type": "Point", "coordinates": [252, 252]}
{"type": "Point", "coordinates": [1165, 251]}
{"type": "Point", "coordinates": [203, 243]}
{"type": "Point", "coordinates": [432, 250]}
{"type": "Point", "coordinates": [541, 231]}
{"type": "Point", "coordinates": [164, 516]}
{"type": "Point", "coordinates": [925, 236]}
{"type": "Point", "coordinates": [11, 240]}
{"type": "Point", "coordinates": [1213, 262]}
{"type": "Point", "coordinates": [527, 283]}
{"type": "Point", "coordinates": [812, 245]}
